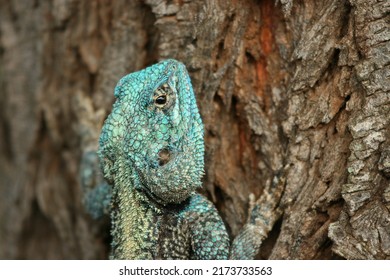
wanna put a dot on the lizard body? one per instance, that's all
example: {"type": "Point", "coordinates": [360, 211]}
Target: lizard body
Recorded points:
{"type": "Point", "coordinates": [151, 152]}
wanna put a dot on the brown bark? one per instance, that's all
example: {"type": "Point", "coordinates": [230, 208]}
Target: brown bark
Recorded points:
{"type": "Point", "coordinates": [294, 96]}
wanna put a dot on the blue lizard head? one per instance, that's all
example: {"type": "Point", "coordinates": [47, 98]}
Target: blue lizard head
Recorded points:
{"type": "Point", "coordinates": [153, 138]}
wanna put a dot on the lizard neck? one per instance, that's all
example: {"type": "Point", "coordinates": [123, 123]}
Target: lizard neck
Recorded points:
{"type": "Point", "coordinates": [134, 226]}
{"type": "Point", "coordinates": [141, 227]}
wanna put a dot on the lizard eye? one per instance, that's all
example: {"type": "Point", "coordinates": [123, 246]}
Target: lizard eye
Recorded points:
{"type": "Point", "coordinates": [163, 97]}
{"type": "Point", "coordinates": [161, 100]}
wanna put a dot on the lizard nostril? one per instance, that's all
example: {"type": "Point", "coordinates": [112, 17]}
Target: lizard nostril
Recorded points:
{"type": "Point", "coordinates": [164, 155]}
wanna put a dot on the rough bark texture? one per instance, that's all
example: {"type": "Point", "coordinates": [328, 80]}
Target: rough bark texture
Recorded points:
{"type": "Point", "coordinates": [294, 96]}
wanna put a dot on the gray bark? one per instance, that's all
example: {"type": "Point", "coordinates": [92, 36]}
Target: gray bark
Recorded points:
{"type": "Point", "coordinates": [294, 96]}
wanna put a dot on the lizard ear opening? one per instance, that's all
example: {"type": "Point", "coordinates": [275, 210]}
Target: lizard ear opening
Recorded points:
{"type": "Point", "coordinates": [164, 156]}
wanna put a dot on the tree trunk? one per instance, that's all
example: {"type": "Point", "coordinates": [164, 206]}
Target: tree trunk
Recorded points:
{"type": "Point", "coordinates": [295, 92]}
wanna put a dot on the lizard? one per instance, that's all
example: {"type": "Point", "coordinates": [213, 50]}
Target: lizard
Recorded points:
{"type": "Point", "coordinates": [151, 153]}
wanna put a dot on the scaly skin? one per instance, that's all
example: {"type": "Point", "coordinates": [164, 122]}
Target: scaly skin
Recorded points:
{"type": "Point", "coordinates": [151, 152]}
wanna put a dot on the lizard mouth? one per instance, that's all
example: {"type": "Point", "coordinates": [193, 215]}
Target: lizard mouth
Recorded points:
{"type": "Point", "coordinates": [171, 173]}
{"type": "Point", "coordinates": [163, 181]}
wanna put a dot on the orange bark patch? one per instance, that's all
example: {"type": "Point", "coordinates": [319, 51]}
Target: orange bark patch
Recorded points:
{"type": "Point", "coordinates": [266, 35]}
{"type": "Point", "coordinates": [266, 39]}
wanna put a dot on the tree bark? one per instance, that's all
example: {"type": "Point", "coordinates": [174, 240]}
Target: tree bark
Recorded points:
{"type": "Point", "coordinates": [295, 92]}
